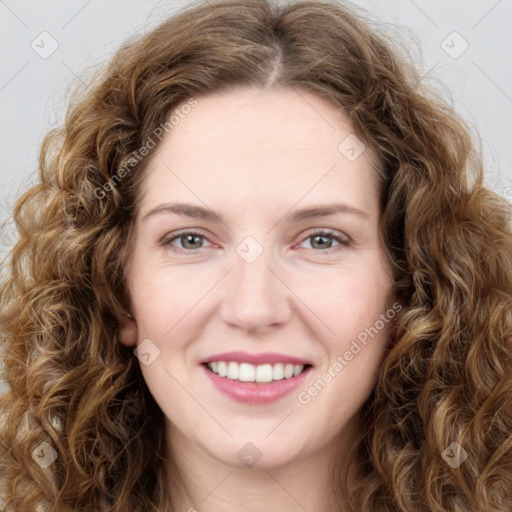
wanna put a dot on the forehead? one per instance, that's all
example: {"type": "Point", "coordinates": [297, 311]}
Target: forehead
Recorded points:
{"type": "Point", "coordinates": [260, 146]}
{"type": "Point", "coordinates": [250, 117]}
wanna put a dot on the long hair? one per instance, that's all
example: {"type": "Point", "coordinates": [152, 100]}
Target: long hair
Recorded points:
{"type": "Point", "coordinates": [77, 398]}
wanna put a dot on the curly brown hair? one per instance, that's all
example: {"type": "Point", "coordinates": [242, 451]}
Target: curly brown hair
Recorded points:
{"type": "Point", "coordinates": [447, 376]}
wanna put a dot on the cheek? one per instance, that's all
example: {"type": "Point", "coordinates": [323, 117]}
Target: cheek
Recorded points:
{"type": "Point", "coordinates": [161, 297]}
{"type": "Point", "coordinates": [354, 306]}
{"type": "Point", "coordinates": [351, 301]}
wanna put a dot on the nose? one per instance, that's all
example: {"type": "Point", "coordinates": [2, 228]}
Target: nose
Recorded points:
{"type": "Point", "coordinates": [256, 298]}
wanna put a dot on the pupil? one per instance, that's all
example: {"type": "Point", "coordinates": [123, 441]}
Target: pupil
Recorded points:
{"type": "Point", "coordinates": [319, 237]}
{"type": "Point", "coordinates": [190, 237]}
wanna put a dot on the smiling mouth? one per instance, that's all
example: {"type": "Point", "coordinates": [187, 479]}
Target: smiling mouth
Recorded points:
{"type": "Point", "coordinates": [263, 373]}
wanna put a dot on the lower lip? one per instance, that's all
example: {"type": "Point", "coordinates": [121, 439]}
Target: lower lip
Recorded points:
{"type": "Point", "coordinates": [256, 392]}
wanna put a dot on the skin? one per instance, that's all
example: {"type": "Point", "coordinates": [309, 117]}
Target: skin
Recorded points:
{"type": "Point", "coordinates": [254, 156]}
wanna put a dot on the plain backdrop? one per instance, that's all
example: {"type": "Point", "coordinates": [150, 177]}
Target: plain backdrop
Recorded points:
{"type": "Point", "coordinates": [47, 46]}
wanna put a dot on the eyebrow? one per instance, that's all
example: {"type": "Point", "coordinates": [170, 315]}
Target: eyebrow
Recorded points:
{"type": "Point", "coordinates": [199, 212]}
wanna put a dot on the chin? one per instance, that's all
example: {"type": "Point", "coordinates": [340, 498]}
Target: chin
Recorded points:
{"type": "Point", "coordinates": [258, 454]}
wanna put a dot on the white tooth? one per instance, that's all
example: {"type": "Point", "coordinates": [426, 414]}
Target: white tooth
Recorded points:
{"type": "Point", "coordinates": [232, 370]}
{"type": "Point", "coordinates": [288, 371]}
{"type": "Point", "coordinates": [223, 369]}
{"type": "Point", "coordinates": [297, 369]}
{"type": "Point", "coordinates": [247, 372]}
{"type": "Point", "coordinates": [264, 373]}
{"type": "Point", "coordinates": [278, 371]}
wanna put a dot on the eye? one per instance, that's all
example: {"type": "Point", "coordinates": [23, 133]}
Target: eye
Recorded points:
{"type": "Point", "coordinates": [322, 239]}
{"type": "Point", "coordinates": [191, 241]}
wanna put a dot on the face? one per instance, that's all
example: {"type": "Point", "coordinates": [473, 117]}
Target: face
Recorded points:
{"type": "Point", "coordinates": [264, 274]}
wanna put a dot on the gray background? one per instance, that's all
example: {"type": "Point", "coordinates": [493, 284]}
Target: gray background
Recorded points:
{"type": "Point", "coordinates": [33, 89]}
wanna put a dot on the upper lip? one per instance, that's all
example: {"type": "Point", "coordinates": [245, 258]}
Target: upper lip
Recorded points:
{"type": "Point", "coordinates": [256, 359]}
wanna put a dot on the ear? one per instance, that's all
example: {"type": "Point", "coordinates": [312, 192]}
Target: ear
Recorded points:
{"type": "Point", "coordinates": [128, 332]}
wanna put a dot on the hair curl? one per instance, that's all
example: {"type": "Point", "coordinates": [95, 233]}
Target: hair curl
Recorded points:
{"type": "Point", "coordinates": [447, 375]}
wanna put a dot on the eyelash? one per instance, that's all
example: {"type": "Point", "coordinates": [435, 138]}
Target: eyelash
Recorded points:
{"type": "Point", "coordinates": [344, 242]}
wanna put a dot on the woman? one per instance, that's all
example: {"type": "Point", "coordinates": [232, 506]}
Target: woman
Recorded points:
{"type": "Point", "coordinates": [178, 336]}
